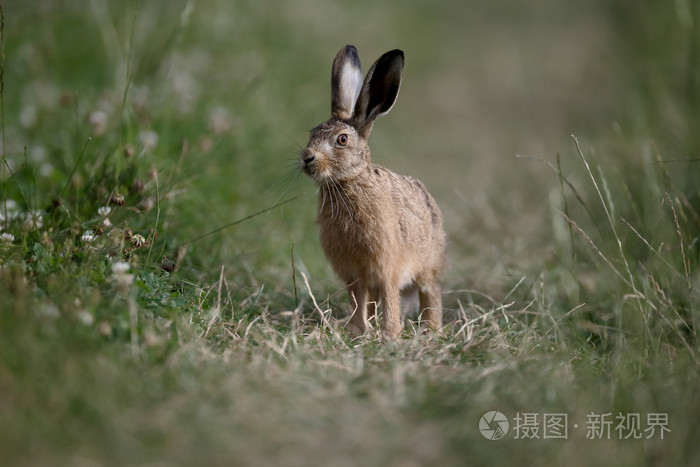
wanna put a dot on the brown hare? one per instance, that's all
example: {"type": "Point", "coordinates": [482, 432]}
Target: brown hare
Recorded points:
{"type": "Point", "coordinates": [381, 232]}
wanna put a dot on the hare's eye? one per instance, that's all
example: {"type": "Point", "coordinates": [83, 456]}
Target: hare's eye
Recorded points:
{"type": "Point", "coordinates": [342, 140]}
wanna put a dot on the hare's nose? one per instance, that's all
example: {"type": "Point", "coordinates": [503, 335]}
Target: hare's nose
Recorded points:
{"type": "Point", "coordinates": [307, 156]}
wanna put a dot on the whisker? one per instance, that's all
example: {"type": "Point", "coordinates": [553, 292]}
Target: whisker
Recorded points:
{"type": "Point", "coordinates": [283, 185]}
{"type": "Point", "coordinates": [288, 180]}
{"type": "Point", "coordinates": [291, 163]}
{"type": "Point", "coordinates": [332, 197]}
{"type": "Point", "coordinates": [338, 187]}
{"type": "Point", "coordinates": [346, 197]}
{"type": "Point", "coordinates": [290, 171]}
{"type": "Point", "coordinates": [324, 192]}
{"type": "Point", "coordinates": [336, 196]}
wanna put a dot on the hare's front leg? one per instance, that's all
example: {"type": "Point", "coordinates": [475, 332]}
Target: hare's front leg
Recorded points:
{"type": "Point", "coordinates": [431, 304]}
{"type": "Point", "coordinates": [372, 304]}
{"type": "Point", "coordinates": [358, 300]}
{"type": "Point", "coordinates": [391, 321]}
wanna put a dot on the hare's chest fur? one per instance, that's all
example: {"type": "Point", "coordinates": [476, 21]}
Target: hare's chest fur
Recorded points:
{"type": "Point", "coordinates": [380, 225]}
{"type": "Point", "coordinates": [357, 228]}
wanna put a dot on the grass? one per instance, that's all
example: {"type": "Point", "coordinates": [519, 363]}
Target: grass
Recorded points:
{"type": "Point", "coordinates": [164, 296]}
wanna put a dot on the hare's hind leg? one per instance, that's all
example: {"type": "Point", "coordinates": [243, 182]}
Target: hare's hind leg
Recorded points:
{"type": "Point", "coordinates": [431, 304]}
{"type": "Point", "coordinates": [357, 325]}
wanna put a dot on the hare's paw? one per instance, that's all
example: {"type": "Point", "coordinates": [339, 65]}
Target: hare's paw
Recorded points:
{"type": "Point", "coordinates": [356, 328]}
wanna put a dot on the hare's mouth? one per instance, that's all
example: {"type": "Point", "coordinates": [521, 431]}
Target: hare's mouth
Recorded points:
{"type": "Point", "coordinates": [312, 165]}
{"type": "Point", "coordinates": [309, 169]}
{"type": "Point", "coordinates": [320, 177]}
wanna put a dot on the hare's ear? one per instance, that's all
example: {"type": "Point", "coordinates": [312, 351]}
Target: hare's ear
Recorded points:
{"type": "Point", "coordinates": [346, 82]}
{"type": "Point", "coordinates": [379, 91]}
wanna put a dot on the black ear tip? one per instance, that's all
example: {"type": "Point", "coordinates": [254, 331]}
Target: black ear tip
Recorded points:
{"type": "Point", "coordinates": [351, 51]}
{"type": "Point", "coordinates": [393, 56]}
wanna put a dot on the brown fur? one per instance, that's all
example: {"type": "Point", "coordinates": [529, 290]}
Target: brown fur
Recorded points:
{"type": "Point", "coordinates": [381, 232]}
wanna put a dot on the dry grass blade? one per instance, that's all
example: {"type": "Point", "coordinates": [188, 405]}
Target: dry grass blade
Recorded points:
{"type": "Point", "coordinates": [656, 252]}
{"type": "Point", "coordinates": [563, 180]}
{"type": "Point", "coordinates": [630, 281]}
{"type": "Point", "coordinates": [321, 313]}
{"type": "Point", "coordinates": [238, 221]}
{"type": "Point", "coordinates": [595, 248]}
{"type": "Point", "coordinates": [686, 264]}
{"type": "Point", "coordinates": [216, 313]}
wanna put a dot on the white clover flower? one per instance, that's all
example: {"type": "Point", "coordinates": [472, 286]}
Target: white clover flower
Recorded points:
{"type": "Point", "coordinates": [148, 138]}
{"type": "Point", "coordinates": [33, 220]}
{"type": "Point", "coordinates": [120, 267]}
{"type": "Point", "coordinates": [45, 169]}
{"type": "Point", "coordinates": [10, 206]}
{"type": "Point", "coordinates": [28, 116]}
{"type": "Point", "coordinates": [88, 237]}
{"type": "Point", "coordinates": [186, 91]}
{"type": "Point", "coordinates": [120, 276]}
{"type": "Point", "coordinates": [118, 199]}
{"type": "Point", "coordinates": [38, 153]}
{"type": "Point", "coordinates": [85, 317]}
{"type": "Point", "coordinates": [220, 120]}
{"type": "Point", "coordinates": [140, 95]}
{"type": "Point", "coordinates": [98, 122]}
{"type": "Point", "coordinates": [103, 211]}
{"type": "Point", "coordinates": [6, 238]}
{"type": "Point", "coordinates": [138, 240]}
{"type": "Point", "coordinates": [146, 204]}
{"type": "Point", "coordinates": [48, 310]}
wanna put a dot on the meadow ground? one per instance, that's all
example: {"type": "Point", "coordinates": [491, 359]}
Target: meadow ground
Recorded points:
{"type": "Point", "coordinates": [155, 310]}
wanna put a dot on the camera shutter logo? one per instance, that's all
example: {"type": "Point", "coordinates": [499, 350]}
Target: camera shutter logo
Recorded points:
{"type": "Point", "coordinates": [493, 425]}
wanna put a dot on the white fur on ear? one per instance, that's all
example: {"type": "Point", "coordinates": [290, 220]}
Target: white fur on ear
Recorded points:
{"type": "Point", "coordinates": [346, 82]}
{"type": "Point", "coordinates": [351, 82]}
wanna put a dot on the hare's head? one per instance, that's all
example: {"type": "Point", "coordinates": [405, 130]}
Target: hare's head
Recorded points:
{"type": "Point", "coordinates": [337, 149]}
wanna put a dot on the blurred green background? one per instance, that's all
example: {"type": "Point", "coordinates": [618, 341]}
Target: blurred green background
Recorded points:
{"type": "Point", "coordinates": [194, 112]}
